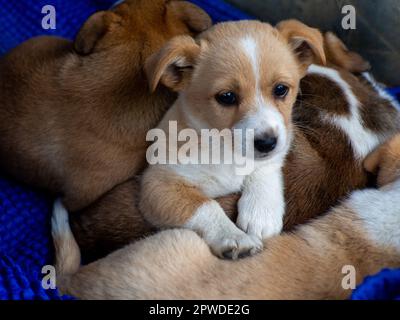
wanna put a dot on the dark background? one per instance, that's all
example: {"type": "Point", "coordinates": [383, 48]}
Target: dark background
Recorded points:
{"type": "Point", "coordinates": [377, 36]}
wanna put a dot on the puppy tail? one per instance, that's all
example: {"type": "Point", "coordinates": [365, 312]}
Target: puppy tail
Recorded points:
{"type": "Point", "coordinates": [67, 252]}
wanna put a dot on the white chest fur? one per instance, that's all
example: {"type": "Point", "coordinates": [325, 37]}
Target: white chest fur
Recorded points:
{"type": "Point", "coordinates": [213, 180]}
{"type": "Point", "coordinates": [380, 212]}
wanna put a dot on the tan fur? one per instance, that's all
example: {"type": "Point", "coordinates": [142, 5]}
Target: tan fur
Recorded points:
{"type": "Point", "coordinates": [384, 161]}
{"type": "Point", "coordinates": [174, 199]}
{"type": "Point", "coordinates": [296, 32]}
{"type": "Point", "coordinates": [320, 169]}
{"type": "Point", "coordinates": [306, 264]}
{"type": "Point", "coordinates": [74, 116]}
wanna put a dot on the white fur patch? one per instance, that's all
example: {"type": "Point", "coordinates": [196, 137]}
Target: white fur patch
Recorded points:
{"type": "Point", "coordinates": [60, 222]}
{"type": "Point", "coordinates": [380, 90]}
{"type": "Point", "coordinates": [380, 212]}
{"type": "Point", "coordinates": [363, 140]}
{"type": "Point", "coordinates": [262, 205]}
{"type": "Point", "coordinates": [249, 46]}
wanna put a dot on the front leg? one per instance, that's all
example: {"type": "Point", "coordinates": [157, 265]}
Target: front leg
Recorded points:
{"type": "Point", "coordinates": [262, 205]}
{"type": "Point", "coordinates": [170, 201]}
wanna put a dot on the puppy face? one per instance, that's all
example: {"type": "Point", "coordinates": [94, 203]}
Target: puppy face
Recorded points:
{"type": "Point", "coordinates": [140, 26]}
{"type": "Point", "coordinates": [242, 75]}
{"type": "Point", "coordinates": [385, 161]}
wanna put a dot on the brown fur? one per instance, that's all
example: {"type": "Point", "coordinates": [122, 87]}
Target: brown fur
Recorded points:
{"type": "Point", "coordinates": [306, 264]}
{"type": "Point", "coordinates": [320, 169]}
{"type": "Point", "coordinates": [74, 116]}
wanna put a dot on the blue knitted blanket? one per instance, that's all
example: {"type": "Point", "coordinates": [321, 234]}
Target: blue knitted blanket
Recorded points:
{"type": "Point", "coordinates": [25, 241]}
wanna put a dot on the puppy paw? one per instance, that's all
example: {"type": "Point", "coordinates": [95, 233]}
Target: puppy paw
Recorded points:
{"type": "Point", "coordinates": [258, 219]}
{"type": "Point", "coordinates": [260, 225]}
{"type": "Point", "coordinates": [236, 246]}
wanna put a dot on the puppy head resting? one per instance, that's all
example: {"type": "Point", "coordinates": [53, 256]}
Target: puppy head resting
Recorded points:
{"type": "Point", "coordinates": [141, 24]}
{"type": "Point", "coordinates": [385, 161]}
{"type": "Point", "coordinates": [240, 75]}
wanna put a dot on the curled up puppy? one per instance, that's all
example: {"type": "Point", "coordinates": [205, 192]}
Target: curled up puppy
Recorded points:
{"type": "Point", "coordinates": [237, 77]}
{"type": "Point", "coordinates": [74, 115]}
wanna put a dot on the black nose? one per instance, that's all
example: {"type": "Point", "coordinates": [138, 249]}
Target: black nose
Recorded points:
{"type": "Point", "coordinates": [265, 145]}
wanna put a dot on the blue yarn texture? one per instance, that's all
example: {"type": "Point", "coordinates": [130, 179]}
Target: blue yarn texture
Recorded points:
{"type": "Point", "coordinates": [25, 241]}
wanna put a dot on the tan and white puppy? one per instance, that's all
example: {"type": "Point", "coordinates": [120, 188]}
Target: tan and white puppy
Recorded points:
{"type": "Point", "coordinates": [236, 76]}
{"type": "Point", "coordinates": [363, 232]}
{"type": "Point", "coordinates": [338, 119]}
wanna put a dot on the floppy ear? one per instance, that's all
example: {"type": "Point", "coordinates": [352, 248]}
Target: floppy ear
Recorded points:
{"type": "Point", "coordinates": [93, 31]}
{"type": "Point", "coordinates": [373, 161]}
{"type": "Point", "coordinates": [172, 65]}
{"type": "Point", "coordinates": [306, 42]}
{"type": "Point", "coordinates": [195, 18]}
{"type": "Point", "coordinates": [338, 54]}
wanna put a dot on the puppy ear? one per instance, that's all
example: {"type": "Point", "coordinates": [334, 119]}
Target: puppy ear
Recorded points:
{"type": "Point", "coordinates": [306, 42]}
{"type": "Point", "coordinates": [93, 30]}
{"type": "Point", "coordinates": [172, 65]}
{"type": "Point", "coordinates": [339, 55]}
{"type": "Point", "coordinates": [373, 161]}
{"type": "Point", "coordinates": [195, 18]}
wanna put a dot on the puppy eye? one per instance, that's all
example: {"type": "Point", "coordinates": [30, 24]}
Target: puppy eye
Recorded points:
{"type": "Point", "coordinates": [281, 91]}
{"type": "Point", "coordinates": [227, 98]}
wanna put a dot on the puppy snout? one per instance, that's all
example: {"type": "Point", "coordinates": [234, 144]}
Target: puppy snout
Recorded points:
{"type": "Point", "coordinates": [266, 144]}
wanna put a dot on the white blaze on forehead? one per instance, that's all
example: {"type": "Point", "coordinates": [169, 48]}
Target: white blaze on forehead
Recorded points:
{"type": "Point", "coordinates": [264, 117]}
{"type": "Point", "coordinates": [250, 48]}
{"type": "Point", "coordinates": [362, 140]}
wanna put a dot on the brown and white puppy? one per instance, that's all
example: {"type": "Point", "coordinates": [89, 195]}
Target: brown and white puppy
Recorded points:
{"type": "Point", "coordinates": [74, 116]}
{"type": "Point", "coordinates": [324, 164]}
{"type": "Point", "coordinates": [362, 232]}
{"type": "Point", "coordinates": [340, 118]}
{"type": "Point", "coordinates": [237, 77]}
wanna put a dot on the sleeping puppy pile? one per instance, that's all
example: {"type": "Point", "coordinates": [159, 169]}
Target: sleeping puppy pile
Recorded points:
{"type": "Point", "coordinates": [74, 119]}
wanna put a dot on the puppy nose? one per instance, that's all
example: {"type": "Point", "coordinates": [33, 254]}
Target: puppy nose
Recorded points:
{"type": "Point", "coordinates": [266, 145]}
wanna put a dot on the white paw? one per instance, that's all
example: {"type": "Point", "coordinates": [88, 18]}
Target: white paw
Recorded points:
{"type": "Point", "coordinates": [236, 245]}
{"type": "Point", "coordinates": [258, 220]}
{"type": "Point", "coordinates": [261, 227]}
{"type": "Point", "coordinates": [225, 239]}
